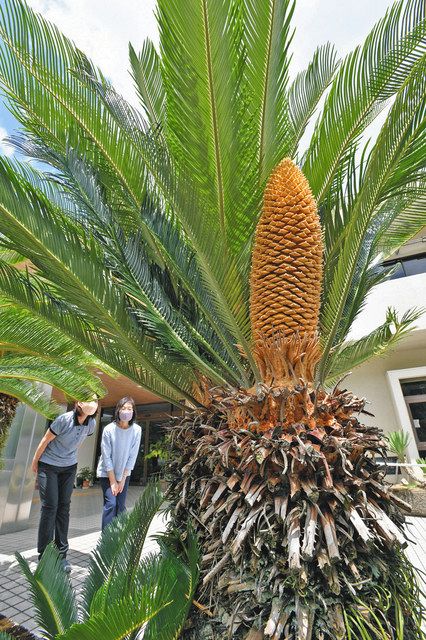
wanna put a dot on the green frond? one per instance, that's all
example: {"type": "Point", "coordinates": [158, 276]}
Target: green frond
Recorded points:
{"type": "Point", "coordinates": [203, 71]}
{"type": "Point", "coordinates": [29, 392]}
{"type": "Point", "coordinates": [181, 261]}
{"type": "Point", "coordinates": [395, 136]}
{"type": "Point", "coordinates": [220, 272]}
{"type": "Point", "coordinates": [169, 622]}
{"type": "Point", "coordinates": [353, 353]}
{"type": "Point", "coordinates": [73, 381]}
{"type": "Point", "coordinates": [197, 47]}
{"type": "Point", "coordinates": [146, 73]}
{"type": "Point", "coordinates": [267, 25]}
{"type": "Point", "coordinates": [118, 552]}
{"type": "Point", "coordinates": [398, 442]}
{"type": "Point", "coordinates": [12, 257]}
{"type": "Point", "coordinates": [405, 218]}
{"type": "Point", "coordinates": [366, 79]}
{"type": "Point", "coordinates": [307, 89]}
{"type": "Point", "coordinates": [41, 72]}
{"type": "Point", "coordinates": [154, 309]}
{"type": "Point", "coordinates": [31, 225]}
{"type": "Point", "coordinates": [31, 294]}
{"type": "Point", "coordinates": [125, 616]}
{"type": "Point", "coordinates": [52, 595]}
{"type": "Point", "coordinates": [159, 596]}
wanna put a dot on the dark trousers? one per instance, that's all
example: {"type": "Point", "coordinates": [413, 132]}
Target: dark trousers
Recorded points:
{"type": "Point", "coordinates": [113, 505]}
{"type": "Point", "coordinates": [55, 486]}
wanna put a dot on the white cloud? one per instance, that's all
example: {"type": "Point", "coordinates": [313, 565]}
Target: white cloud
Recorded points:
{"type": "Point", "coordinates": [5, 148]}
{"type": "Point", "coordinates": [103, 30]}
{"type": "Point", "coordinates": [341, 22]}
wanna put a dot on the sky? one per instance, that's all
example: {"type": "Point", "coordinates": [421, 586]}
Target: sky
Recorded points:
{"type": "Point", "coordinates": [103, 29]}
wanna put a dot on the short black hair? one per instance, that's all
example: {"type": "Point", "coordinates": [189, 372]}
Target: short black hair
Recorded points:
{"type": "Point", "coordinates": [120, 404]}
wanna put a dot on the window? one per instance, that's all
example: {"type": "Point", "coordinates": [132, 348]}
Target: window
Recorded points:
{"type": "Point", "coordinates": [409, 266]}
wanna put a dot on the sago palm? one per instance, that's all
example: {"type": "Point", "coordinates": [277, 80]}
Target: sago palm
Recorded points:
{"type": "Point", "coordinates": [152, 249]}
{"type": "Point", "coordinates": [32, 352]}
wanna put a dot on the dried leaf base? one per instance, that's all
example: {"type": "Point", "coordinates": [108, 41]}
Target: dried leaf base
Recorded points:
{"type": "Point", "coordinates": [300, 537]}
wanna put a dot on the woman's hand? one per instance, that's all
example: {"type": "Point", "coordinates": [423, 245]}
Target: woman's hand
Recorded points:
{"type": "Point", "coordinates": [121, 485]}
{"type": "Point", "coordinates": [115, 488]}
{"type": "Point", "coordinates": [34, 465]}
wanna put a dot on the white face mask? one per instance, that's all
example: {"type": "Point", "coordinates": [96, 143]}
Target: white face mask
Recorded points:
{"type": "Point", "coordinates": [88, 408]}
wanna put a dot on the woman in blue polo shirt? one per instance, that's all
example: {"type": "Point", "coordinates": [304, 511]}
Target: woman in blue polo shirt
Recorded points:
{"type": "Point", "coordinates": [55, 463]}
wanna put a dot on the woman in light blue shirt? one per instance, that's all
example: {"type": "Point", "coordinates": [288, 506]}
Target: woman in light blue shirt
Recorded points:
{"type": "Point", "coordinates": [119, 450]}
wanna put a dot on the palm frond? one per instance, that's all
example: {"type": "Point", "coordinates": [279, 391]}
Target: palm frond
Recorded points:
{"type": "Point", "coordinates": [30, 293]}
{"type": "Point", "coordinates": [306, 91]}
{"type": "Point", "coordinates": [128, 257]}
{"type": "Point", "coordinates": [173, 190]}
{"type": "Point", "coordinates": [169, 622]}
{"type": "Point", "coordinates": [378, 342]}
{"type": "Point", "coordinates": [197, 46]}
{"type": "Point", "coordinates": [29, 392]}
{"type": "Point", "coordinates": [127, 615]}
{"type": "Point", "coordinates": [398, 443]}
{"type": "Point", "coordinates": [74, 382]}
{"type": "Point", "coordinates": [405, 218]}
{"type": "Point", "coordinates": [146, 73]}
{"type": "Point", "coordinates": [30, 224]}
{"type": "Point", "coordinates": [396, 135]}
{"type": "Point", "coordinates": [40, 71]}
{"type": "Point", "coordinates": [158, 601]}
{"type": "Point", "coordinates": [52, 594]}
{"type": "Point", "coordinates": [119, 550]}
{"type": "Point", "coordinates": [181, 260]}
{"type": "Point", "coordinates": [268, 37]}
{"type": "Point", "coordinates": [366, 79]}
{"type": "Point", "coordinates": [31, 334]}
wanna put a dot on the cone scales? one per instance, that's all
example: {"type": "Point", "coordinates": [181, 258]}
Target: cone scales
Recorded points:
{"type": "Point", "coordinates": [286, 274]}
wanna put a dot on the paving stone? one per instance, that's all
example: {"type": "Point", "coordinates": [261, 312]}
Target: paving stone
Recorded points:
{"type": "Point", "coordinates": [12, 600]}
{"type": "Point", "coordinates": [10, 612]}
{"type": "Point", "coordinates": [20, 618]}
{"type": "Point", "coordinates": [19, 589]}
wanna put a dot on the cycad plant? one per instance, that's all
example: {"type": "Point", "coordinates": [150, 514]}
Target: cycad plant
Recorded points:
{"type": "Point", "coordinates": [152, 249]}
{"type": "Point", "coordinates": [32, 351]}
{"type": "Point", "coordinates": [124, 591]}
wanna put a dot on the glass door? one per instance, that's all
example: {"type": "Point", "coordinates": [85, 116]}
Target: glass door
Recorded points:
{"type": "Point", "coordinates": [415, 398]}
{"type": "Point", "coordinates": [152, 432]}
{"type": "Point", "coordinates": [417, 410]}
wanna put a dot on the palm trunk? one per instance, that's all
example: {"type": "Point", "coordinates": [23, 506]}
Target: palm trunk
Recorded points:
{"type": "Point", "coordinates": [8, 406]}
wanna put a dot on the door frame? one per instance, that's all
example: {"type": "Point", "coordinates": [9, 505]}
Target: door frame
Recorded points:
{"type": "Point", "coordinates": [394, 378]}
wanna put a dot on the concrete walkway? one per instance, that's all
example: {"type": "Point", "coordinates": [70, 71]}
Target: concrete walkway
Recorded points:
{"type": "Point", "coordinates": [84, 532]}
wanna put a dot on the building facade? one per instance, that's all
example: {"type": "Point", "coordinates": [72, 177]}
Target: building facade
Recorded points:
{"type": "Point", "coordinates": [395, 384]}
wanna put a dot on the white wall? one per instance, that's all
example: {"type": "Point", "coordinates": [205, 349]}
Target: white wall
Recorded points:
{"type": "Point", "coordinates": [370, 381]}
{"type": "Point", "coordinates": [402, 294]}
